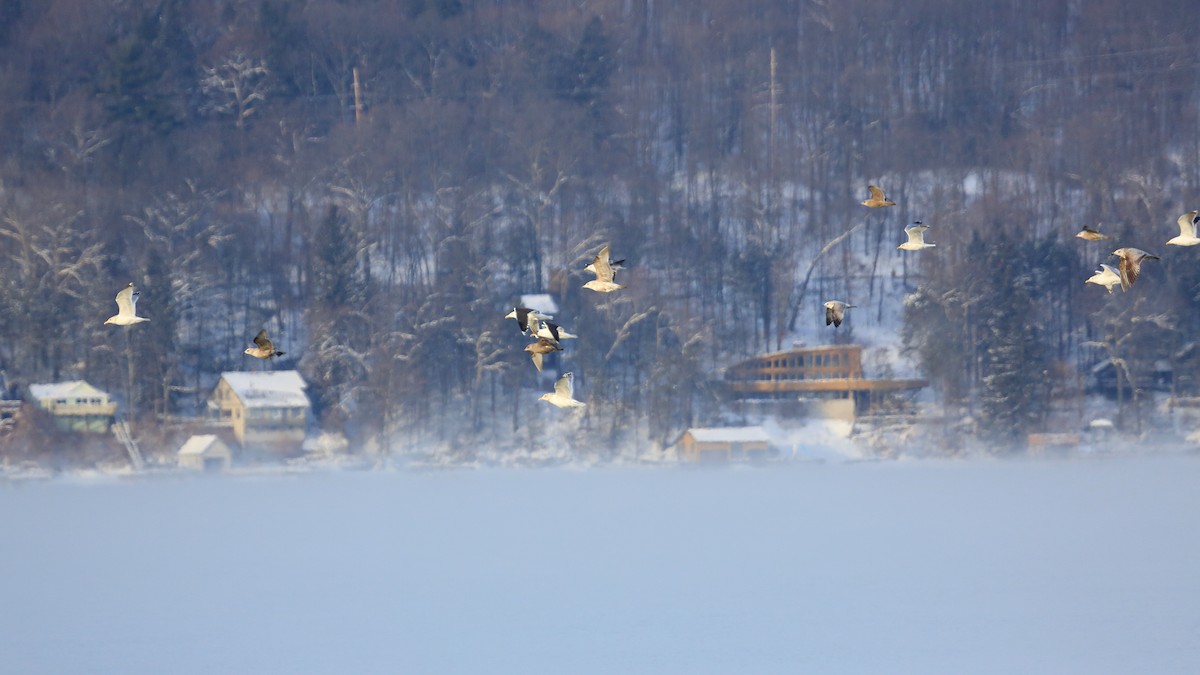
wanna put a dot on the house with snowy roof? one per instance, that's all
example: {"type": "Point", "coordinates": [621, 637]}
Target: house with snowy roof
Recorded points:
{"type": "Point", "coordinates": [75, 405]}
{"type": "Point", "coordinates": [267, 410]}
{"type": "Point", "coordinates": [205, 452]}
{"type": "Point", "coordinates": [724, 444]}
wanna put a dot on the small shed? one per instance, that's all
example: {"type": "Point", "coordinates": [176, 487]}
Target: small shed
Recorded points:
{"type": "Point", "coordinates": [205, 452]}
{"type": "Point", "coordinates": [724, 444]}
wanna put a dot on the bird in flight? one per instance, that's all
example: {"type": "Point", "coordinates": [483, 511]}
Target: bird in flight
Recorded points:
{"type": "Point", "coordinates": [1131, 264]}
{"type": "Point", "coordinates": [524, 315]}
{"type": "Point", "coordinates": [1187, 230]}
{"type": "Point", "coordinates": [563, 395]}
{"type": "Point", "coordinates": [1091, 234]}
{"type": "Point", "coordinates": [263, 347]}
{"type": "Point", "coordinates": [127, 308]}
{"type": "Point", "coordinates": [916, 237]}
{"type": "Point", "coordinates": [835, 312]}
{"type": "Point", "coordinates": [1106, 276]}
{"type": "Point", "coordinates": [877, 200]}
{"type": "Point", "coordinates": [539, 349]}
{"type": "Point", "coordinates": [605, 272]}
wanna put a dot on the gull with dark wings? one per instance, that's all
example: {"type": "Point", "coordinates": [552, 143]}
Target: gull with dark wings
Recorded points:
{"type": "Point", "coordinates": [1091, 234]}
{"type": "Point", "coordinates": [524, 315]}
{"type": "Point", "coordinates": [877, 200]}
{"type": "Point", "coordinates": [539, 349]}
{"type": "Point", "coordinates": [605, 272]}
{"type": "Point", "coordinates": [835, 312]}
{"type": "Point", "coordinates": [1131, 264]}
{"type": "Point", "coordinates": [263, 347]}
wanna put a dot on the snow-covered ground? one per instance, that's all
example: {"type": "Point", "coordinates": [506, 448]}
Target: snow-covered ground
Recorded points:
{"type": "Point", "coordinates": [919, 566]}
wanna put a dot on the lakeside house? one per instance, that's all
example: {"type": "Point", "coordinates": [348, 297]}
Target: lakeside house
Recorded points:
{"type": "Point", "coordinates": [829, 377]}
{"type": "Point", "coordinates": [267, 411]}
{"type": "Point", "coordinates": [75, 405]}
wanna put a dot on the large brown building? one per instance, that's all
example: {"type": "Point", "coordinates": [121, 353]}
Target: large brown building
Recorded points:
{"type": "Point", "coordinates": [827, 372]}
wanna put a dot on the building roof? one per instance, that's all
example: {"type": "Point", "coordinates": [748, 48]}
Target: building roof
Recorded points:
{"type": "Point", "coordinates": [200, 444]}
{"type": "Point", "coordinates": [269, 389]}
{"type": "Point", "coordinates": [730, 435]}
{"type": "Point", "coordinates": [72, 389]}
{"type": "Point", "coordinates": [542, 302]}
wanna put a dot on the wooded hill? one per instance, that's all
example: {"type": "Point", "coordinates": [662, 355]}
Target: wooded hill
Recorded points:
{"type": "Point", "coordinates": [376, 181]}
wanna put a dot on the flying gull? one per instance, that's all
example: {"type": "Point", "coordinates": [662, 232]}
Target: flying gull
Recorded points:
{"type": "Point", "coordinates": [916, 237]}
{"type": "Point", "coordinates": [552, 331]}
{"type": "Point", "coordinates": [613, 264]}
{"type": "Point", "coordinates": [1131, 264]}
{"type": "Point", "coordinates": [835, 312]}
{"type": "Point", "coordinates": [564, 393]}
{"type": "Point", "coordinates": [1091, 234]}
{"type": "Point", "coordinates": [264, 348]}
{"type": "Point", "coordinates": [605, 272]}
{"type": "Point", "coordinates": [524, 314]}
{"type": "Point", "coordinates": [1187, 230]}
{"type": "Point", "coordinates": [877, 199]}
{"type": "Point", "coordinates": [538, 349]}
{"type": "Point", "coordinates": [127, 308]}
{"type": "Point", "coordinates": [1106, 276]}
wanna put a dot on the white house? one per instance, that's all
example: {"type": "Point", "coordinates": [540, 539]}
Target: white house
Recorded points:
{"type": "Point", "coordinates": [75, 405]}
{"type": "Point", "coordinates": [205, 452]}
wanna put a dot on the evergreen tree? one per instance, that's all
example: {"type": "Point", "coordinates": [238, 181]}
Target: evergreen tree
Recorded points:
{"type": "Point", "coordinates": [1012, 398]}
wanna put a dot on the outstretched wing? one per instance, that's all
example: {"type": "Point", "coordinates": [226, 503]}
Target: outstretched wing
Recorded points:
{"type": "Point", "coordinates": [830, 315]}
{"type": "Point", "coordinates": [537, 360]}
{"type": "Point", "coordinates": [601, 266]}
{"type": "Point", "coordinates": [1187, 224]}
{"type": "Point", "coordinates": [127, 301]}
{"type": "Point", "coordinates": [565, 385]}
{"type": "Point", "coordinates": [1129, 271]}
{"type": "Point", "coordinates": [263, 342]}
{"type": "Point", "coordinates": [916, 232]}
{"type": "Point", "coordinates": [876, 192]}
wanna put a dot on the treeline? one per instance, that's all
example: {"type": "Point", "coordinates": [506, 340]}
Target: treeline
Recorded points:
{"type": "Point", "coordinates": [374, 181]}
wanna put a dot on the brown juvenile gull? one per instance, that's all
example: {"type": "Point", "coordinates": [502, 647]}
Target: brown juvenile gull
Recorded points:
{"type": "Point", "coordinates": [916, 237]}
{"type": "Point", "coordinates": [877, 199]}
{"type": "Point", "coordinates": [564, 393]}
{"type": "Point", "coordinates": [523, 316]}
{"type": "Point", "coordinates": [1091, 234]}
{"type": "Point", "coordinates": [1187, 230]}
{"type": "Point", "coordinates": [1106, 276]}
{"type": "Point", "coordinates": [605, 272]}
{"type": "Point", "coordinates": [127, 308]}
{"type": "Point", "coordinates": [264, 348]}
{"type": "Point", "coordinates": [835, 312]}
{"type": "Point", "coordinates": [1131, 264]}
{"type": "Point", "coordinates": [538, 349]}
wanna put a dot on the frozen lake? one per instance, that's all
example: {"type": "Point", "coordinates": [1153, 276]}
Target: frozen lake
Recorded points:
{"type": "Point", "coordinates": [1000, 567]}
